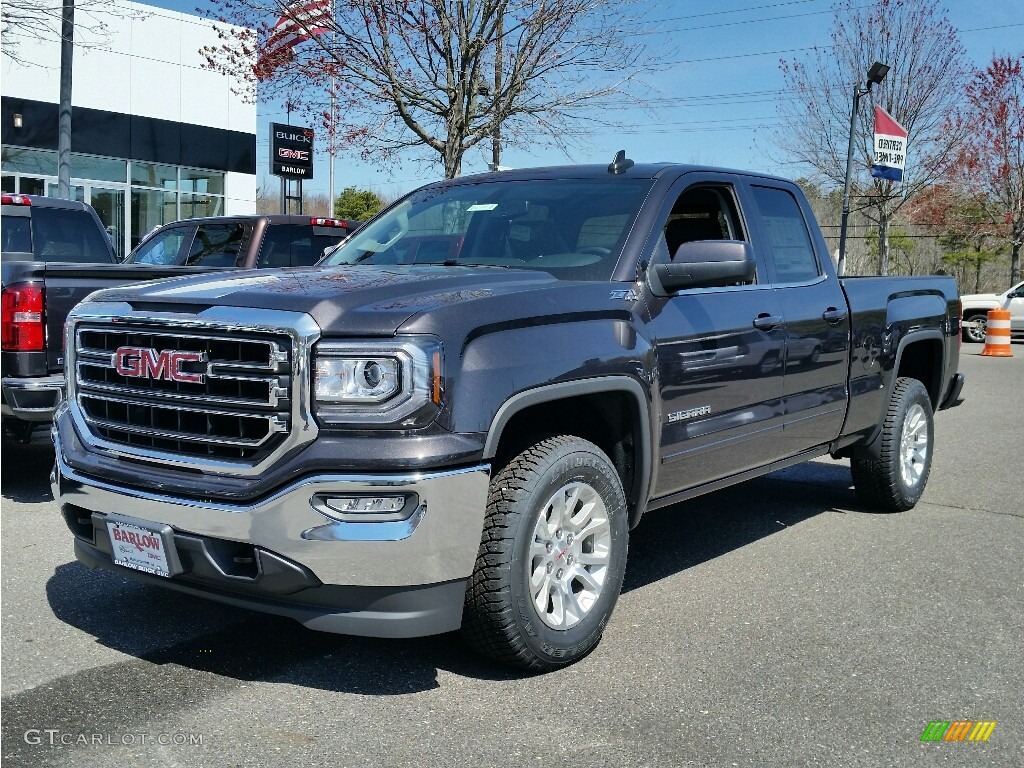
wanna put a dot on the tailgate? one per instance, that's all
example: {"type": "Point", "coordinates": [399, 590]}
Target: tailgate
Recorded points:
{"type": "Point", "coordinates": [68, 284]}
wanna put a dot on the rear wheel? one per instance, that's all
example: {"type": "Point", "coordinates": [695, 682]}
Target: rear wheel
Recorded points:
{"type": "Point", "coordinates": [895, 479]}
{"type": "Point", "coordinates": [975, 327]}
{"type": "Point", "coordinates": [552, 557]}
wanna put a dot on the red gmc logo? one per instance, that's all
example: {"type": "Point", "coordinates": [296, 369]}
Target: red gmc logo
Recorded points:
{"type": "Point", "coordinates": [293, 154]}
{"type": "Point", "coordinates": [142, 363]}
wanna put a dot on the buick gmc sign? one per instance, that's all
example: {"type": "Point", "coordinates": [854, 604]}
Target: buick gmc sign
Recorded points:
{"type": "Point", "coordinates": [291, 151]}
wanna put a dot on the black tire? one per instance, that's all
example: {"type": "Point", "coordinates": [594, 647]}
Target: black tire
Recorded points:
{"type": "Point", "coordinates": [894, 479]}
{"type": "Point", "coordinates": [972, 333]}
{"type": "Point", "coordinates": [501, 619]}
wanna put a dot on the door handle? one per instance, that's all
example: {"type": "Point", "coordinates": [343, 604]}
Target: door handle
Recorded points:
{"type": "Point", "coordinates": [765, 322]}
{"type": "Point", "coordinates": [833, 316]}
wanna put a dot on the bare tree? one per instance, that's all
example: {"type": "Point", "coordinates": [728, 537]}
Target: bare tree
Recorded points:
{"type": "Point", "coordinates": [423, 74]}
{"type": "Point", "coordinates": [923, 91]}
{"type": "Point", "coordinates": [27, 22]}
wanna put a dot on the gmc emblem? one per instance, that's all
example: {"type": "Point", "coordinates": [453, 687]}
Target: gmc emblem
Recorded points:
{"type": "Point", "coordinates": [143, 363]}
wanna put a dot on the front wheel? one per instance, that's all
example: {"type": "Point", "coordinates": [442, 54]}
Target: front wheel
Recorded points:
{"type": "Point", "coordinates": [552, 557]}
{"type": "Point", "coordinates": [895, 479]}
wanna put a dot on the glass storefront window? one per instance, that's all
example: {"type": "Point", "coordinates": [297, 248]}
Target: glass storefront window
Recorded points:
{"type": "Point", "coordinates": [150, 209]}
{"type": "Point", "coordinates": [207, 182]}
{"type": "Point", "coordinates": [194, 206]}
{"type": "Point", "coordinates": [153, 175]}
{"type": "Point", "coordinates": [98, 168]}
{"type": "Point", "coordinates": [42, 162]}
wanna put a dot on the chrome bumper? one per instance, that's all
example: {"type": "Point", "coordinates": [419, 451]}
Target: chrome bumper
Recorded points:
{"type": "Point", "coordinates": [439, 542]}
{"type": "Point", "coordinates": [33, 399]}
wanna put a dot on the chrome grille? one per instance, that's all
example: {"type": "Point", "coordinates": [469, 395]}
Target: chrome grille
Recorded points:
{"type": "Point", "coordinates": [239, 406]}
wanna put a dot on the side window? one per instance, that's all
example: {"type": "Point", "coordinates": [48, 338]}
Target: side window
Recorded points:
{"type": "Point", "coordinates": [291, 245]}
{"type": "Point", "coordinates": [702, 213]}
{"type": "Point", "coordinates": [788, 242]}
{"type": "Point", "coordinates": [216, 245]}
{"type": "Point", "coordinates": [59, 234]}
{"type": "Point", "coordinates": [162, 248]}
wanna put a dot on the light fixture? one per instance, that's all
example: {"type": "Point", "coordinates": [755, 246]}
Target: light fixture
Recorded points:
{"type": "Point", "coordinates": [877, 72]}
{"type": "Point", "coordinates": [17, 120]}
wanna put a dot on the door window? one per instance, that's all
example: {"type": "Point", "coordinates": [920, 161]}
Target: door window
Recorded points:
{"type": "Point", "coordinates": [786, 237]}
{"type": "Point", "coordinates": [216, 245]}
{"type": "Point", "coordinates": [162, 248]}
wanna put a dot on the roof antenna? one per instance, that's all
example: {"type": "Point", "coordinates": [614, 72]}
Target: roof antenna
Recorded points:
{"type": "Point", "coordinates": [621, 163]}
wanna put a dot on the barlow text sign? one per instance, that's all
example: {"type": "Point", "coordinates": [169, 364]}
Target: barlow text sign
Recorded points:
{"type": "Point", "coordinates": [291, 151]}
{"type": "Point", "coordinates": [890, 147]}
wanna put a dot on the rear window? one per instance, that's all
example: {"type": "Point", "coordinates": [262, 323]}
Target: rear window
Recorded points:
{"type": "Point", "coordinates": [17, 234]}
{"type": "Point", "coordinates": [296, 245]}
{"type": "Point", "coordinates": [59, 234]}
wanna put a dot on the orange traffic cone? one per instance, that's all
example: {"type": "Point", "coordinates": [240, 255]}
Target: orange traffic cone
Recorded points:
{"type": "Point", "coordinates": [997, 334]}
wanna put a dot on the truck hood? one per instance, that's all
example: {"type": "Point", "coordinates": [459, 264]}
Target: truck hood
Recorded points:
{"type": "Point", "coordinates": [369, 301]}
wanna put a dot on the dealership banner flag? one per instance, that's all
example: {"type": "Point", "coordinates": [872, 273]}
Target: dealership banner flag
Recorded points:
{"type": "Point", "coordinates": [890, 147]}
{"type": "Point", "coordinates": [301, 21]}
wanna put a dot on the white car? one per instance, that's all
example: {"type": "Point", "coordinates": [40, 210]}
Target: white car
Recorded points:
{"type": "Point", "coordinates": [977, 305]}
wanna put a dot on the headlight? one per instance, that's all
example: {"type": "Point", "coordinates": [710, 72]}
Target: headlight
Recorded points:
{"type": "Point", "coordinates": [395, 383]}
{"type": "Point", "coordinates": [357, 380]}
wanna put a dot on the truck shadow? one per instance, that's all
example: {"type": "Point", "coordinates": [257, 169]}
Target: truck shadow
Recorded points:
{"type": "Point", "coordinates": [675, 538]}
{"type": "Point", "coordinates": [172, 631]}
{"type": "Point", "coordinates": [26, 469]}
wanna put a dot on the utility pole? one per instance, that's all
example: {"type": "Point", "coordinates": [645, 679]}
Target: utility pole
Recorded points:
{"type": "Point", "coordinates": [67, 49]}
{"type": "Point", "coordinates": [496, 103]}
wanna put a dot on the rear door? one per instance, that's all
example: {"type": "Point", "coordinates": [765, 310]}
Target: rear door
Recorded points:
{"type": "Point", "coordinates": [719, 351]}
{"type": "Point", "coordinates": [817, 338]}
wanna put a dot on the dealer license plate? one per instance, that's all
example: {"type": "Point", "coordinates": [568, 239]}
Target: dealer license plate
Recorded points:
{"type": "Point", "coordinates": [142, 547]}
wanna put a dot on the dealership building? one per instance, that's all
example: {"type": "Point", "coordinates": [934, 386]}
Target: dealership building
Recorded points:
{"type": "Point", "coordinates": [154, 136]}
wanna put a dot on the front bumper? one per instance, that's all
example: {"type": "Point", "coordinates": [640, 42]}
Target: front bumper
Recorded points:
{"type": "Point", "coordinates": [280, 555]}
{"type": "Point", "coordinates": [32, 399]}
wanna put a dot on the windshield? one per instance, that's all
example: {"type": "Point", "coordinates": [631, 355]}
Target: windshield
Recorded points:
{"type": "Point", "coordinates": [574, 229]}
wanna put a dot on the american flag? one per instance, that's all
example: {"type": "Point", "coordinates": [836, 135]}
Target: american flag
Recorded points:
{"type": "Point", "coordinates": [301, 21]}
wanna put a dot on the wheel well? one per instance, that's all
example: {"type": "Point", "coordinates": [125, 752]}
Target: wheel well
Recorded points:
{"type": "Point", "coordinates": [610, 420]}
{"type": "Point", "coordinates": [922, 360]}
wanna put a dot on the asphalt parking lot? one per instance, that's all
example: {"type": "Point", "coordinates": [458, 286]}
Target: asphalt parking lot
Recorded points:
{"type": "Point", "coordinates": [775, 623]}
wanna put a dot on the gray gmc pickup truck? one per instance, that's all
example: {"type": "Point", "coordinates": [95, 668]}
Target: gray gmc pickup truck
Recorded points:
{"type": "Point", "coordinates": [457, 419]}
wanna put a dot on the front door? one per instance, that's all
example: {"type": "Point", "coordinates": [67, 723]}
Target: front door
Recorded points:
{"type": "Point", "coordinates": [720, 353]}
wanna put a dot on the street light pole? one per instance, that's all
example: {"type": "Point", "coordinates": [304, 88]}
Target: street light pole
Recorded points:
{"type": "Point", "coordinates": [67, 50]}
{"type": "Point", "coordinates": [876, 74]}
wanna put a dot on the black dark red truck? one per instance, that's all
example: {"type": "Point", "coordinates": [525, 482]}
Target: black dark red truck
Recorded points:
{"type": "Point", "coordinates": [458, 420]}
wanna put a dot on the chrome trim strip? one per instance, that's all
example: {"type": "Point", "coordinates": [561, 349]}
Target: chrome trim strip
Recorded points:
{"type": "Point", "coordinates": [190, 437]}
{"type": "Point", "coordinates": [275, 393]}
{"type": "Point", "coordinates": [275, 354]}
{"type": "Point", "coordinates": [300, 327]}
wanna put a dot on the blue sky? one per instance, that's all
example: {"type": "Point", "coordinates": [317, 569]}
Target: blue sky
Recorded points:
{"type": "Point", "coordinates": [725, 48]}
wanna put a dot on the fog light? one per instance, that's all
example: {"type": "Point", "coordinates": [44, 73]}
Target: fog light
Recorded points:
{"type": "Point", "coordinates": [365, 503]}
{"type": "Point", "coordinates": [365, 509]}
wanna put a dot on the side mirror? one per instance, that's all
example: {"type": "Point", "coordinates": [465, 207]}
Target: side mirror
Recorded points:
{"type": "Point", "coordinates": [708, 264]}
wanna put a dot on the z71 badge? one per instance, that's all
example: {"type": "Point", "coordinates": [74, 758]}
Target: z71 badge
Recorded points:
{"type": "Point", "coordinates": [689, 413]}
